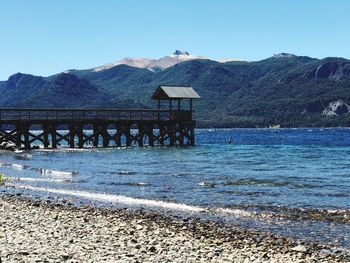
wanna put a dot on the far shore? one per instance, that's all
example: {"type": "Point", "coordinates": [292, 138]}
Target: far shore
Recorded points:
{"type": "Point", "coordinates": [43, 231]}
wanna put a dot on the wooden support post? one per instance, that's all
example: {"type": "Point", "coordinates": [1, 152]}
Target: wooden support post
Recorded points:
{"type": "Point", "coordinates": [140, 137]}
{"type": "Point", "coordinates": [18, 136]}
{"type": "Point", "coordinates": [46, 135]}
{"type": "Point", "coordinates": [25, 130]}
{"type": "Point", "coordinates": [53, 131]}
{"type": "Point", "coordinates": [71, 136]}
{"type": "Point", "coordinates": [150, 135]}
{"type": "Point", "coordinates": [80, 135]}
{"type": "Point", "coordinates": [171, 109]}
{"type": "Point", "coordinates": [141, 134]}
{"type": "Point", "coordinates": [172, 134]}
{"type": "Point", "coordinates": [118, 135]}
{"type": "Point", "coordinates": [127, 133]}
{"type": "Point", "coordinates": [161, 135]}
{"type": "Point", "coordinates": [192, 136]}
{"type": "Point", "coordinates": [95, 135]}
{"type": "Point", "coordinates": [105, 135]}
{"type": "Point", "coordinates": [181, 131]}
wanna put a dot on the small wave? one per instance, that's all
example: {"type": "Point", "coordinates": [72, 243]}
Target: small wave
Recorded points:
{"type": "Point", "coordinates": [115, 198]}
{"type": "Point", "coordinates": [152, 173]}
{"type": "Point", "coordinates": [18, 167]}
{"type": "Point", "coordinates": [268, 182]}
{"type": "Point", "coordinates": [14, 166]}
{"type": "Point", "coordinates": [206, 184]}
{"type": "Point", "coordinates": [126, 173]}
{"type": "Point", "coordinates": [31, 179]}
{"type": "Point", "coordinates": [254, 181]}
{"type": "Point", "coordinates": [295, 214]}
{"type": "Point", "coordinates": [67, 149]}
{"type": "Point", "coordinates": [130, 184]}
{"type": "Point", "coordinates": [55, 173]}
{"type": "Point", "coordinates": [235, 212]}
{"type": "Point", "coordinates": [332, 194]}
{"type": "Point", "coordinates": [180, 174]}
{"type": "Point", "coordinates": [342, 174]}
{"type": "Point", "coordinates": [250, 193]}
{"type": "Point", "coordinates": [24, 156]}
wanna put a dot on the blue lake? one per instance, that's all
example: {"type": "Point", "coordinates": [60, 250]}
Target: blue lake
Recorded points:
{"type": "Point", "coordinates": [293, 182]}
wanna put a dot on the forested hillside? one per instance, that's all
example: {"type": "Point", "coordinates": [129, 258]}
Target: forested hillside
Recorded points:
{"type": "Point", "coordinates": [285, 90]}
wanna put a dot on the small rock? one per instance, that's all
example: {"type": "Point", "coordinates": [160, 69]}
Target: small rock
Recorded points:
{"type": "Point", "coordinates": [152, 249]}
{"type": "Point", "coordinates": [299, 248]}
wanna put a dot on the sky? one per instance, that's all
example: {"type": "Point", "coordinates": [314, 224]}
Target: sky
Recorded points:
{"type": "Point", "coordinates": [45, 37]}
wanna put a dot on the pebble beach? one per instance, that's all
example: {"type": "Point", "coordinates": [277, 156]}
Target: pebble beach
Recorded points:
{"type": "Point", "coordinates": [45, 231]}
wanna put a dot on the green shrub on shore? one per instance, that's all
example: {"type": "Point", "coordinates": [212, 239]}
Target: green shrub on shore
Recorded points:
{"type": "Point", "coordinates": [2, 179]}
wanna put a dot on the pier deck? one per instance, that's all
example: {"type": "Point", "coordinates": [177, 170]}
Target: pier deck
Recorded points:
{"type": "Point", "coordinates": [95, 127]}
{"type": "Point", "coordinates": [26, 128]}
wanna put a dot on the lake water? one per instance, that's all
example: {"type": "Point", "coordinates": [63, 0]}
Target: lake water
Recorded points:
{"type": "Point", "coordinates": [294, 182]}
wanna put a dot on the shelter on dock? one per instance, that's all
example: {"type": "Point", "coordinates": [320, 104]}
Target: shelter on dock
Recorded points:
{"type": "Point", "coordinates": [176, 94]}
{"type": "Point", "coordinates": [104, 127]}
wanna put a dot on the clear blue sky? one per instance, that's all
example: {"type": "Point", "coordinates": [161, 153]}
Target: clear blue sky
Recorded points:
{"type": "Point", "coordinates": [45, 37]}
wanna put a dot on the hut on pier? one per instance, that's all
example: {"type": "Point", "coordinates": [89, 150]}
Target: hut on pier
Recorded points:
{"type": "Point", "coordinates": [176, 94]}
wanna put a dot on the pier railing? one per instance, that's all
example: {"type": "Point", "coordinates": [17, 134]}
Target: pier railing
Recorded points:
{"type": "Point", "coordinates": [8, 114]}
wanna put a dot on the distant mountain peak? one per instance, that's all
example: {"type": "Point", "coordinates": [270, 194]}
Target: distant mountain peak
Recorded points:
{"type": "Point", "coordinates": [133, 62]}
{"type": "Point", "coordinates": [284, 55]}
{"type": "Point", "coordinates": [185, 55]}
{"type": "Point", "coordinates": [151, 64]}
{"type": "Point", "coordinates": [179, 53]}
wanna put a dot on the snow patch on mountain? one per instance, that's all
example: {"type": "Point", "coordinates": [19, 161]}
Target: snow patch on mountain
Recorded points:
{"type": "Point", "coordinates": [133, 62]}
{"type": "Point", "coordinates": [224, 60]}
{"type": "Point", "coordinates": [284, 55]}
{"type": "Point", "coordinates": [336, 108]}
{"type": "Point", "coordinates": [156, 64]}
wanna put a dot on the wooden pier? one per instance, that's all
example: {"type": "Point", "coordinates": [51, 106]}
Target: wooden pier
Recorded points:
{"type": "Point", "coordinates": [28, 128]}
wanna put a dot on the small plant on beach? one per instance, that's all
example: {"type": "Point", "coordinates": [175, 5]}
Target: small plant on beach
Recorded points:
{"type": "Point", "coordinates": [2, 179]}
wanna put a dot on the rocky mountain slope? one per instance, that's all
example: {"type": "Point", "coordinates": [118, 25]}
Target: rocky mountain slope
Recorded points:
{"type": "Point", "coordinates": [285, 89]}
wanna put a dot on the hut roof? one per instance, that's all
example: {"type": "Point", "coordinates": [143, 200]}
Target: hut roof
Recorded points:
{"type": "Point", "coordinates": [166, 92]}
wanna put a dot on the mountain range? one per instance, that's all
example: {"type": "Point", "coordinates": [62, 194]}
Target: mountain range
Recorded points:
{"type": "Point", "coordinates": [154, 64]}
{"type": "Point", "coordinates": [285, 89]}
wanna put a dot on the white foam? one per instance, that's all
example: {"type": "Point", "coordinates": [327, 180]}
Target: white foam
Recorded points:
{"type": "Point", "coordinates": [14, 166]}
{"type": "Point", "coordinates": [114, 198]}
{"type": "Point", "coordinates": [142, 184]}
{"type": "Point", "coordinates": [235, 212]}
{"type": "Point", "coordinates": [31, 179]}
{"type": "Point", "coordinates": [125, 173]}
{"type": "Point", "coordinates": [18, 167]}
{"type": "Point", "coordinates": [55, 173]}
{"type": "Point", "coordinates": [24, 156]}
{"type": "Point", "coordinates": [206, 184]}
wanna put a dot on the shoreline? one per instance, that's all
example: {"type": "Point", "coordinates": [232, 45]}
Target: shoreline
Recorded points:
{"type": "Point", "coordinates": [38, 230]}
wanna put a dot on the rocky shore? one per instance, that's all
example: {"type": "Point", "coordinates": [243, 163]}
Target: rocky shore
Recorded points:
{"type": "Point", "coordinates": [41, 231]}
